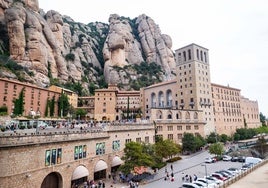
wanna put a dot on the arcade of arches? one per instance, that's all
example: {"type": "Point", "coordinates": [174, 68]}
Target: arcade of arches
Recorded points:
{"type": "Point", "coordinates": [81, 174]}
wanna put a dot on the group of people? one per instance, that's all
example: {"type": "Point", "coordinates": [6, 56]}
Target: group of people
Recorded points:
{"type": "Point", "coordinates": [169, 176]}
{"type": "Point", "coordinates": [189, 178]}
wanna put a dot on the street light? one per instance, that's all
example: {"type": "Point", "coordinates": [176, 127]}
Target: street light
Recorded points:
{"type": "Point", "coordinates": [205, 172]}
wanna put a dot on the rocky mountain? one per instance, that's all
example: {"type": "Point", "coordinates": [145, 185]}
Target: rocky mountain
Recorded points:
{"type": "Point", "coordinates": [49, 48]}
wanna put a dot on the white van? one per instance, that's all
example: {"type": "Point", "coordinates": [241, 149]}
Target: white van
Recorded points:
{"type": "Point", "coordinates": [252, 160]}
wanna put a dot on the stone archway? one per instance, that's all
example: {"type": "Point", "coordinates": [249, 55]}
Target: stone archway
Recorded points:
{"type": "Point", "coordinates": [52, 180]}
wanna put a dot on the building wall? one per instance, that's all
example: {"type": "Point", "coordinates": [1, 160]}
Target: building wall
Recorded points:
{"type": "Point", "coordinates": [35, 98]}
{"type": "Point", "coordinates": [72, 96]}
{"type": "Point", "coordinates": [162, 95]}
{"type": "Point", "coordinates": [23, 155]}
{"type": "Point", "coordinates": [172, 123]}
{"type": "Point", "coordinates": [226, 109]}
{"type": "Point", "coordinates": [250, 112]}
{"type": "Point", "coordinates": [105, 104]}
{"type": "Point", "coordinates": [193, 74]}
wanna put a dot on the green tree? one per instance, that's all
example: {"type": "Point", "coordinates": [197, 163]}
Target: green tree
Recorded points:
{"type": "Point", "coordinates": [200, 141]}
{"type": "Point", "coordinates": [262, 119]}
{"type": "Point", "coordinates": [223, 138]}
{"type": "Point", "coordinates": [167, 148]}
{"type": "Point", "coordinates": [188, 142]}
{"type": "Point", "coordinates": [19, 104]}
{"type": "Point", "coordinates": [80, 113]}
{"type": "Point", "coordinates": [134, 156]}
{"type": "Point", "coordinates": [212, 137]}
{"type": "Point", "coordinates": [216, 148]}
{"type": "Point", "coordinates": [64, 105]}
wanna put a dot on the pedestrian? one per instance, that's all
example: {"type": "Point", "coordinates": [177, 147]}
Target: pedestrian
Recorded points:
{"type": "Point", "coordinates": [172, 175]}
{"type": "Point", "coordinates": [165, 169]}
{"type": "Point", "coordinates": [191, 179]}
{"type": "Point", "coordinates": [171, 167]}
{"type": "Point", "coordinates": [195, 177]}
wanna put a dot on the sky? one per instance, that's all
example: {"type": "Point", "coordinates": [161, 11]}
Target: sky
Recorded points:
{"type": "Point", "coordinates": [234, 31]}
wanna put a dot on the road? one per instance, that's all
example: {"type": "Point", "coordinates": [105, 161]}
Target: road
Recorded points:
{"type": "Point", "coordinates": [190, 165]}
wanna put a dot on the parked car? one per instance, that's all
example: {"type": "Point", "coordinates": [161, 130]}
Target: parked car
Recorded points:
{"type": "Point", "coordinates": [234, 159]}
{"type": "Point", "coordinates": [234, 170]}
{"type": "Point", "coordinates": [230, 174]}
{"type": "Point", "coordinates": [241, 159]}
{"type": "Point", "coordinates": [247, 166]}
{"type": "Point", "coordinates": [189, 185]}
{"type": "Point", "coordinates": [216, 180]}
{"type": "Point", "coordinates": [253, 160]}
{"type": "Point", "coordinates": [201, 184]}
{"type": "Point", "coordinates": [224, 174]}
{"type": "Point", "coordinates": [210, 160]}
{"type": "Point", "coordinates": [209, 183]}
{"type": "Point", "coordinates": [219, 176]}
{"type": "Point", "coordinates": [226, 158]}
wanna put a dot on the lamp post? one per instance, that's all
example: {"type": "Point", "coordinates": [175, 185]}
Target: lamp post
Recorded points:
{"type": "Point", "coordinates": [205, 172]}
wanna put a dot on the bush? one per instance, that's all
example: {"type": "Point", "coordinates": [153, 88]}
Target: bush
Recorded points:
{"type": "Point", "coordinates": [173, 159]}
{"type": "Point", "coordinates": [70, 57]}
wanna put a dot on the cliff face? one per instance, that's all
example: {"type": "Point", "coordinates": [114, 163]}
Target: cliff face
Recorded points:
{"type": "Point", "coordinates": [54, 47]}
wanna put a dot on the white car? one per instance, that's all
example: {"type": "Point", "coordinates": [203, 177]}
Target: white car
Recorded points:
{"type": "Point", "coordinates": [210, 160]}
{"type": "Point", "coordinates": [189, 185]}
{"type": "Point", "coordinates": [201, 184]}
{"type": "Point", "coordinates": [209, 183]}
{"type": "Point", "coordinates": [216, 180]}
{"type": "Point", "coordinates": [234, 170]}
{"type": "Point", "coordinates": [226, 158]}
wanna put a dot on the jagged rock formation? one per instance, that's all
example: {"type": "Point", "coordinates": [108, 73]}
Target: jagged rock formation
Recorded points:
{"type": "Point", "coordinates": [54, 47]}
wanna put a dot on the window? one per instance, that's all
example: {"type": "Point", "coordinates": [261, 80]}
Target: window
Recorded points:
{"type": "Point", "coordinates": [146, 139]}
{"type": "Point", "coordinates": [159, 128]}
{"type": "Point", "coordinates": [179, 127]}
{"type": "Point", "coordinates": [170, 136]}
{"type": "Point", "coordinates": [184, 56]}
{"type": "Point", "coordinates": [100, 148]}
{"type": "Point", "coordinates": [197, 54]}
{"type": "Point", "coordinates": [196, 127]}
{"type": "Point", "coordinates": [138, 140]}
{"type": "Point", "coordinates": [189, 54]}
{"type": "Point", "coordinates": [128, 140]}
{"type": "Point", "coordinates": [80, 152]}
{"type": "Point", "coordinates": [188, 127]}
{"type": "Point", "coordinates": [179, 136]}
{"type": "Point", "coordinates": [170, 128]}
{"type": "Point", "coordinates": [116, 145]}
{"type": "Point", "coordinates": [53, 156]}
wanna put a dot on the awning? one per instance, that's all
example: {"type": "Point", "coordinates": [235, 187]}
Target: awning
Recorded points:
{"type": "Point", "coordinates": [101, 165]}
{"type": "Point", "coordinates": [116, 161]}
{"type": "Point", "coordinates": [80, 172]}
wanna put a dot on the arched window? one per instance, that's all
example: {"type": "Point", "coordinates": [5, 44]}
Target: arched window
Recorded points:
{"type": "Point", "coordinates": [184, 56]}
{"type": "Point", "coordinates": [178, 115]}
{"type": "Point", "coordinates": [161, 99]}
{"type": "Point", "coordinates": [197, 54]}
{"type": "Point", "coordinates": [153, 100]}
{"type": "Point", "coordinates": [189, 55]}
{"type": "Point", "coordinates": [195, 115]}
{"type": "Point", "coordinates": [169, 116]}
{"type": "Point", "coordinates": [169, 98]}
{"type": "Point", "coordinates": [159, 115]}
{"type": "Point", "coordinates": [201, 55]}
{"type": "Point", "coordinates": [187, 116]}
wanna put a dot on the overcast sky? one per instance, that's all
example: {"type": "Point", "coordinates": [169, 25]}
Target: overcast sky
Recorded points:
{"type": "Point", "coordinates": [234, 31]}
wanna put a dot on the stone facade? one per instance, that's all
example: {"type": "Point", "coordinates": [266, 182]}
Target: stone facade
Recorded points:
{"type": "Point", "coordinates": [193, 74]}
{"type": "Point", "coordinates": [23, 155]}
